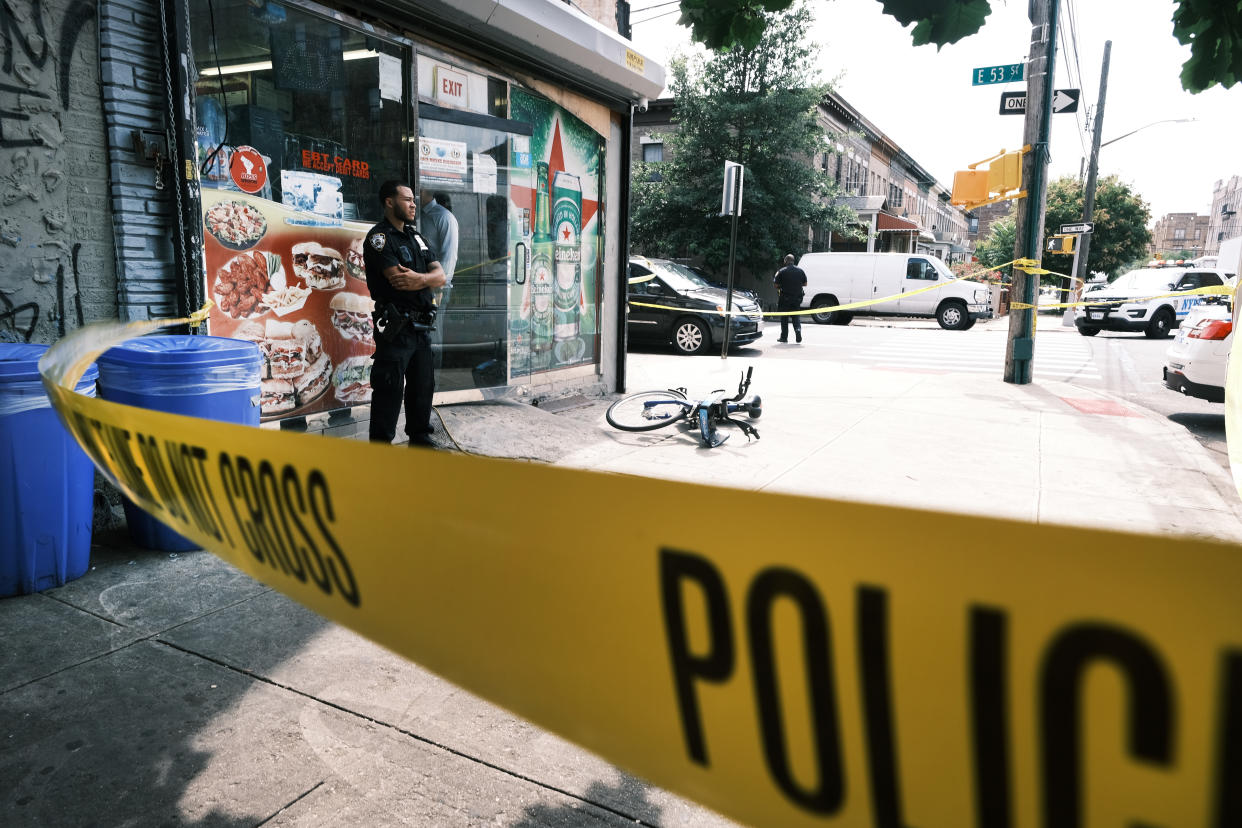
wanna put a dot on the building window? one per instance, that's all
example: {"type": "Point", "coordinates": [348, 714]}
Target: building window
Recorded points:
{"type": "Point", "coordinates": [1198, 234]}
{"type": "Point", "coordinates": [1179, 233]}
{"type": "Point", "coordinates": [323, 104]}
{"type": "Point", "coordinates": [653, 153]}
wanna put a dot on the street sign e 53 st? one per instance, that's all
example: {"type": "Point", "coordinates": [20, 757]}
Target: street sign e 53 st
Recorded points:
{"type": "Point", "coordinates": [1009, 73]}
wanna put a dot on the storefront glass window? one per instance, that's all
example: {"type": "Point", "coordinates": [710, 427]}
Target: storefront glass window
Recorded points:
{"type": "Point", "coordinates": [322, 103]}
{"type": "Point", "coordinates": [299, 120]}
{"type": "Point", "coordinates": [524, 192]}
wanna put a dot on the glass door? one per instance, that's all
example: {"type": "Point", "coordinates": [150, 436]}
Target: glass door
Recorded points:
{"type": "Point", "coordinates": [466, 165]}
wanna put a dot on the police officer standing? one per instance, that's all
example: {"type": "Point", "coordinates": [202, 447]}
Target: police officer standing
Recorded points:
{"type": "Point", "coordinates": [402, 272]}
{"type": "Point", "coordinates": [790, 280]}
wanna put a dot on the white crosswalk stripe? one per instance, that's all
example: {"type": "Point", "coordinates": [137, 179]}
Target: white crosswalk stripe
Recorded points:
{"type": "Point", "coordinates": [1053, 360]}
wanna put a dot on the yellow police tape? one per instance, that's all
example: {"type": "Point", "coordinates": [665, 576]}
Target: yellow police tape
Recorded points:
{"type": "Point", "coordinates": [781, 659]}
{"type": "Point", "coordinates": [827, 309]}
{"type": "Point", "coordinates": [1211, 290]}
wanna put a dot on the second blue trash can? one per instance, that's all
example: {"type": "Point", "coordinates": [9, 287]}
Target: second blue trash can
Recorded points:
{"type": "Point", "coordinates": [209, 377]}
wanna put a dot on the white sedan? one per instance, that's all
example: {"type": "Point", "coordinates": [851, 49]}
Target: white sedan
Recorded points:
{"type": "Point", "coordinates": [1197, 361]}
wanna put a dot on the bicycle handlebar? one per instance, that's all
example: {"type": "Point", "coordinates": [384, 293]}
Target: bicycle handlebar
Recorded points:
{"type": "Point", "coordinates": [743, 384]}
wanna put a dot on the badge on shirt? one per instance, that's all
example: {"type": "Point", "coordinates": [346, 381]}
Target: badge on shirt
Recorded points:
{"type": "Point", "coordinates": [378, 241]}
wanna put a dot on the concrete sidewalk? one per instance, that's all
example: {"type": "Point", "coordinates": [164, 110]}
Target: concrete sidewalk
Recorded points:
{"type": "Point", "coordinates": [172, 690]}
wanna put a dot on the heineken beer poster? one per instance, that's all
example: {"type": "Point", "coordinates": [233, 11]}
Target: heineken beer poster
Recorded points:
{"type": "Point", "coordinates": [555, 286]}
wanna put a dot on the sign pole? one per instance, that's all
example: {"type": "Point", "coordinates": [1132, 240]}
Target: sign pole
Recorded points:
{"type": "Point", "coordinates": [724, 349]}
{"type": "Point", "coordinates": [1020, 344]}
{"type": "Point", "coordinates": [733, 200]}
{"type": "Point", "coordinates": [1067, 318]}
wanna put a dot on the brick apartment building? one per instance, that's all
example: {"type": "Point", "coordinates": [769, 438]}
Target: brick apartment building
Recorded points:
{"type": "Point", "coordinates": [1176, 232]}
{"type": "Point", "coordinates": [1225, 222]}
{"type": "Point", "coordinates": [900, 205]}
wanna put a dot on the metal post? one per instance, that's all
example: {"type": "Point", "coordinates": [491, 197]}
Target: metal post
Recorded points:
{"type": "Point", "coordinates": [724, 349]}
{"type": "Point", "coordinates": [1088, 195]}
{"type": "Point", "coordinates": [1029, 230]}
{"type": "Point", "coordinates": [1067, 295]}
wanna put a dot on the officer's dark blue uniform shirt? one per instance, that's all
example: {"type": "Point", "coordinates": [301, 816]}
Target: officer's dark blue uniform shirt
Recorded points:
{"type": "Point", "coordinates": [385, 247]}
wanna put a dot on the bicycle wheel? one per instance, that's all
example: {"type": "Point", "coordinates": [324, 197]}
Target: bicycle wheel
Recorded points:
{"type": "Point", "coordinates": [647, 410]}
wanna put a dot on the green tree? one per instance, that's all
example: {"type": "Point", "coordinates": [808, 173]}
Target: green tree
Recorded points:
{"type": "Point", "coordinates": [757, 107]}
{"type": "Point", "coordinates": [1120, 217]}
{"type": "Point", "coordinates": [1212, 28]}
{"type": "Point", "coordinates": [997, 248]}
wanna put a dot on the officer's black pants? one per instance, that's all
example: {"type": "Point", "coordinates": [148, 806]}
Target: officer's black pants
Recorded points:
{"type": "Point", "coordinates": [402, 370]}
{"type": "Point", "coordinates": [790, 305]}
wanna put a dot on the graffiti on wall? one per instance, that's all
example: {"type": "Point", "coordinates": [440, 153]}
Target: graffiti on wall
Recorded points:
{"type": "Point", "coordinates": [39, 289]}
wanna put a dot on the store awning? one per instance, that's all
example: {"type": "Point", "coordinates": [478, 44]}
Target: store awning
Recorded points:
{"type": "Point", "coordinates": [554, 34]}
{"type": "Point", "coordinates": [889, 222]}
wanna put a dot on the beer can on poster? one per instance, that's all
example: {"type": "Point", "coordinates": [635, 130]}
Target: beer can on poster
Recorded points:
{"type": "Point", "coordinates": [567, 227]}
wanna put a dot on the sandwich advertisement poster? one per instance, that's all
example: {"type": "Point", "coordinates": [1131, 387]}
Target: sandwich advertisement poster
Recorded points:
{"type": "Point", "coordinates": [282, 279]}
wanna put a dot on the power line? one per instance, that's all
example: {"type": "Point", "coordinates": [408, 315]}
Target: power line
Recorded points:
{"type": "Point", "coordinates": [1066, 53]}
{"type": "Point", "coordinates": [657, 17]}
{"type": "Point", "coordinates": [1082, 81]}
{"type": "Point", "coordinates": [656, 6]}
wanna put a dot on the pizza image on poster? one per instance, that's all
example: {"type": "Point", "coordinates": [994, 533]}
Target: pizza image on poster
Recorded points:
{"type": "Point", "coordinates": [293, 292]}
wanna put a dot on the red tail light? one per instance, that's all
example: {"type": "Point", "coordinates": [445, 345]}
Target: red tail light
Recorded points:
{"type": "Point", "coordinates": [1211, 329]}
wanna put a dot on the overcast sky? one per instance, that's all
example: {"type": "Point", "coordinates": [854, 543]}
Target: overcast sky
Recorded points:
{"type": "Point", "coordinates": [924, 100]}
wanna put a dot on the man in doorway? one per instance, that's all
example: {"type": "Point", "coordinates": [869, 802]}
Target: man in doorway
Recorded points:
{"type": "Point", "coordinates": [439, 226]}
{"type": "Point", "coordinates": [402, 271]}
{"type": "Point", "coordinates": [789, 281]}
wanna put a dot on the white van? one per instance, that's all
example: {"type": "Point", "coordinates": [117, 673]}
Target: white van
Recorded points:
{"type": "Point", "coordinates": [844, 278]}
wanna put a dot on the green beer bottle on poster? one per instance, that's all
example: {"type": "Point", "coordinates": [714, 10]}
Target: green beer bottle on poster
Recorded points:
{"type": "Point", "coordinates": [542, 275]}
{"type": "Point", "coordinates": [567, 221]}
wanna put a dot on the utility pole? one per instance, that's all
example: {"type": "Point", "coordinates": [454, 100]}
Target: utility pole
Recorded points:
{"type": "Point", "coordinates": [1088, 195]}
{"type": "Point", "coordinates": [1029, 227]}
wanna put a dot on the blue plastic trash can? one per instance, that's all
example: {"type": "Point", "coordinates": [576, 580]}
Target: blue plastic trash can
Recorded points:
{"type": "Point", "coordinates": [209, 377]}
{"type": "Point", "coordinates": [47, 494]}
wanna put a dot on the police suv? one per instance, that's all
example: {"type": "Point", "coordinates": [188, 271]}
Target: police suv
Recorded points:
{"type": "Point", "coordinates": [1139, 301]}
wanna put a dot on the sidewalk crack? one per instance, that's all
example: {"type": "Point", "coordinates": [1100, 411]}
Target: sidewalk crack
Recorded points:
{"type": "Point", "coordinates": [289, 805]}
{"type": "Point", "coordinates": [409, 734]}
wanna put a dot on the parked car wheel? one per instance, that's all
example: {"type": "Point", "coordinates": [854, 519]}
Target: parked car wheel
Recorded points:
{"type": "Point", "coordinates": [953, 316]}
{"type": "Point", "coordinates": [1087, 331]}
{"type": "Point", "coordinates": [690, 336]}
{"type": "Point", "coordinates": [826, 317]}
{"type": "Point", "coordinates": [1160, 325]}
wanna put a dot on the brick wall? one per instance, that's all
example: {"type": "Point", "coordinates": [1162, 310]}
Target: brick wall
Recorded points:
{"type": "Point", "coordinates": [56, 248]}
{"type": "Point", "coordinates": [135, 98]}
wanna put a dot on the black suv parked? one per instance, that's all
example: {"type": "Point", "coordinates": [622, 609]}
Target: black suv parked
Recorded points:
{"type": "Point", "coordinates": [687, 317]}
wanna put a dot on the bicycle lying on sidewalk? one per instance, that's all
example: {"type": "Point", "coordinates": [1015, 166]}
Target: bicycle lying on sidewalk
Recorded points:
{"type": "Point", "coordinates": [649, 410]}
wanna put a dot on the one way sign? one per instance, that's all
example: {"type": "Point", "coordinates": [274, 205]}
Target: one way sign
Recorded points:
{"type": "Point", "coordinates": [1063, 100]}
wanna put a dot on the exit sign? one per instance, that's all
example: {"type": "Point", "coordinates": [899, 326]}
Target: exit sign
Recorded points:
{"type": "Point", "coordinates": [1009, 73]}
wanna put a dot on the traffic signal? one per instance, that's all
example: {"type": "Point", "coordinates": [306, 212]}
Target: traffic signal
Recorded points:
{"type": "Point", "coordinates": [1062, 243]}
{"type": "Point", "coordinates": [1005, 173]}
{"type": "Point", "coordinates": [969, 187]}
{"type": "Point", "coordinates": [1001, 180]}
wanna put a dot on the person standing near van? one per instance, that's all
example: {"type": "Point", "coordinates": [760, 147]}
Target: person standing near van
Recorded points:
{"type": "Point", "coordinates": [789, 281]}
